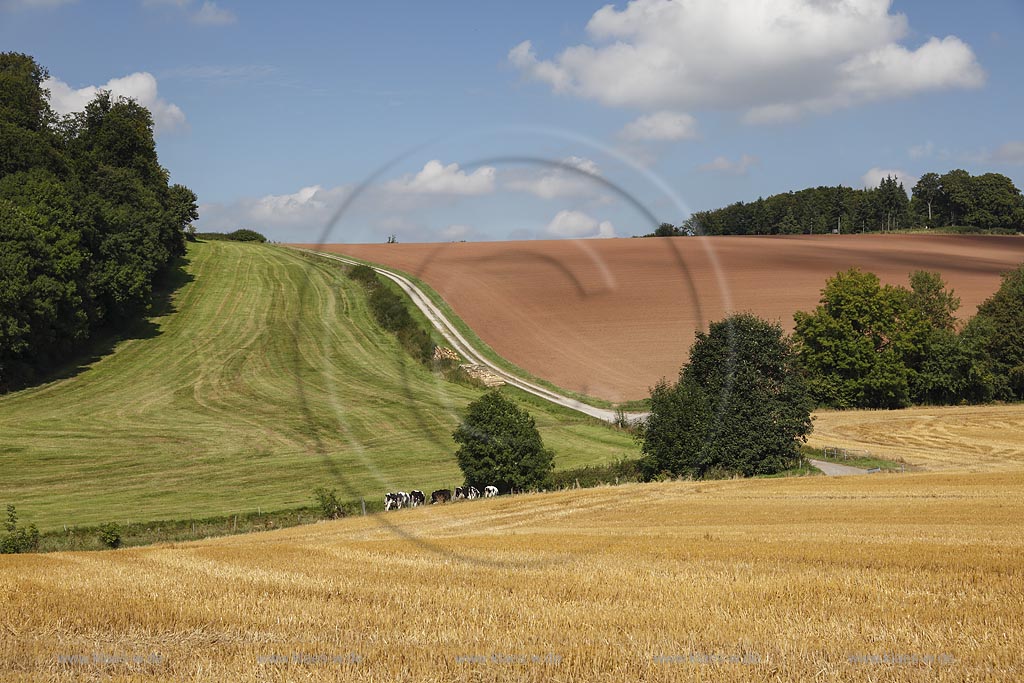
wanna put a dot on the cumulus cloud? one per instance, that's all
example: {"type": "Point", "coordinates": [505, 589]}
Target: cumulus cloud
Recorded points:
{"type": "Point", "coordinates": [662, 125]}
{"type": "Point", "coordinates": [309, 208]}
{"type": "Point", "coordinates": [724, 165]}
{"type": "Point", "coordinates": [775, 61]}
{"type": "Point", "coordinates": [1009, 153]}
{"type": "Point", "coordinates": [140, 86]}
{"type": "Point", "coordinates": [558, 180]}
{"type": "Point", "coordinates": [874, 177]}
{"type": "Point", "coordinates": [577, 224]}
{"type": "Point", "coordinates": [436, 178]}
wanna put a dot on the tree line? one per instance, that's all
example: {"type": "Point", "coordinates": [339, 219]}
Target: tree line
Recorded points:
{"type": "Point", "coordinates": [869, 345]}
{"type": "Point", "coordinates": [956, 199]}
{"type": "Point", "coordinates": [88, 221]}
{"type": "Point", "coordinates": [742, 403]}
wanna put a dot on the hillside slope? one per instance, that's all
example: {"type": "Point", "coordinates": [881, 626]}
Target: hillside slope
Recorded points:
{"type": "Point", "coordinates": [748, 580]}
{"type": "Point", "coordinates": [608, 318]}
{"type": "Point", "coordinates": [268, 380]}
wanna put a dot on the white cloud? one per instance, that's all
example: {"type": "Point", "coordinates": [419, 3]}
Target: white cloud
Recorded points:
{"type": "Point", "coordinates": [211, 14]}
{"type": "Point", "coordinates": [662, 125]}
{"type": "Point", "coordinates": [557, 180]}
{"type": "Point", "coordinates": [1009, 153]}
{"type": "Point", "coordinates": [140, 86]}
{"type": "Point", "coordinates": [724, 165]}
{"type": "Point", "coordinates": [436, 178]}
{"type": "Point", "coordinates": [874, 177]}
{"type": "Point", "coordinates": [309, 208]}
{"type": "Point", "coordinates": [577, 224]}
{"type": "Point", "coordinates": [775, 61]}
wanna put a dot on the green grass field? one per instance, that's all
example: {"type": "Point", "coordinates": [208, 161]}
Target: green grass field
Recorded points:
{"type": "Point", "coordinates": [266, 380]}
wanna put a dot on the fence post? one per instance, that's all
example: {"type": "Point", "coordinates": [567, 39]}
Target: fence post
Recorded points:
{"type": "Point", "coordinates": [363, 501]}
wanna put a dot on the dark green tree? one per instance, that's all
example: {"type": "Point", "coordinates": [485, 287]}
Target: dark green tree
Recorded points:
{"type": "Point", "coordinates": [928, 294]}
{"type": "Point", "coordinates": [741, 405]}
{"type": "Point", "coordinates": [87, 221]}
{"type": "Point", "coordinates": [957, 195]}
{"type": "Point", "coordinates": [499, 445]}
{"type": "Point", "coordinates": [998, 328]}
{"type": "Point", "coordinates": [927, 200]}
{"type": "Point", "coordinates": [862, 343]}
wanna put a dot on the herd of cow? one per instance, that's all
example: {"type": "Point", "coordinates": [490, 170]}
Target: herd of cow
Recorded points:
{"type": "Point", "coordinates": [401, 499]}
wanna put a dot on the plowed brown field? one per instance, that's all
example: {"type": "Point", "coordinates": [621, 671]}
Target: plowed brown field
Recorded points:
{"type": "Point", "coordinates": [608, 318]}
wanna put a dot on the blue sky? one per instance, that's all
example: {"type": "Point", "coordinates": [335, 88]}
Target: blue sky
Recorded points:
{"type": "Point", "coordinates": [454, 127]}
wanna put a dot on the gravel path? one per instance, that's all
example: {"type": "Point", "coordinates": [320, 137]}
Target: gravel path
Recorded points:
{"type": "Point", "coordinates": [438, 319]}
{"type": "Point", "coordinates": [836, 470]}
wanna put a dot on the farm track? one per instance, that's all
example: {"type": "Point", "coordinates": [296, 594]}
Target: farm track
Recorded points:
{"type": "Point", "coordinates": [460, 344]}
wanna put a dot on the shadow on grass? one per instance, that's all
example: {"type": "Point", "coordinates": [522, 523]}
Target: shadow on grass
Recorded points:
{"type": "Point", "coordinates": [106, 339]}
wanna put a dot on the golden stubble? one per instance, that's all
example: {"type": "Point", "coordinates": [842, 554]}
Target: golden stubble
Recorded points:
{"type": "Point", "coordinates": [801, 579]}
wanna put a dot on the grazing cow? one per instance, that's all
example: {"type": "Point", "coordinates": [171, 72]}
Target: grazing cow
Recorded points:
{"type": "Point", "coordinates": [472, 493]}
{"type": "Point", "coordinates": [403, 499]}
{"type": "Point", "coordinates": [460, 493]}
{"type": "Point", "coordinates": [490, 491]}
{"type": "Point", "coordinates": [416, 497]}
{"type": "Point", "coordinates": [391, 501]}
{"type": "Point", "coordinates": [440, 496]}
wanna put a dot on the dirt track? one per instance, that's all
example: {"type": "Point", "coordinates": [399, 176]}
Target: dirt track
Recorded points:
{"type": "Point", "coordinates": [609, 317]}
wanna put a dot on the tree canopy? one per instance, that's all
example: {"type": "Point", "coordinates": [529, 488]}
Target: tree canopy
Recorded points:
{"type": "Point", "coordinates": [998, 331]}
{"type": "Point", "coordinates": [956, 198]}
{"type": "Point", "coordinates": [499, 445]}
{"type": "Point", "coordinates": [741, 405]}
{"type": "Point", "coordinates": [88, 221]}
{"type": "Point", "coordinates": [869, 345]}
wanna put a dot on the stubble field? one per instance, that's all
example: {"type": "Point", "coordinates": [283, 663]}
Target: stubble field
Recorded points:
{"type": "Point", "coordinates": [971, 438]}
{"type": "Point", "coordinates": [912, 577]}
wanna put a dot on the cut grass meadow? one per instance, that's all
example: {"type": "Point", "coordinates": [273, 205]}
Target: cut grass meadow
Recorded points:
{"type": "Point", "coordinates": [267, 379]}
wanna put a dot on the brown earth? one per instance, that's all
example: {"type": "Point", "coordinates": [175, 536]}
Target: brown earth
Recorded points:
{"type": "Point", "coordinates": [608, 318]}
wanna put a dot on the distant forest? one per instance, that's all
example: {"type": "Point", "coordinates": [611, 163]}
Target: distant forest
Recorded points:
{"type": "Point", "coordinates": [987, 202]}
{"type": "Point", "coordinates": [88, 221]}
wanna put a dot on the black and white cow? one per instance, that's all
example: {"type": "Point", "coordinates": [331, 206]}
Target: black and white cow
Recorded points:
{"type": "Point", "coordinates": [460, 493]}
{"type": "Point", "coordinates": [416, 497]}
{"type": "Point", "coordinates": [472, 493]}
{"type": "Point", "coordinates": [391, 501]}
{"type": "Point", "coordinates": [490, 491]}
{"type": "Point", "coordinates": [440, 496]}
{"type": "Point", "coordinates": [403, 499]}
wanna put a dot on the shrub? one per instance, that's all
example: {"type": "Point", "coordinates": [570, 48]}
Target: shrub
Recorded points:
{"type": "Point", "coordinates": [327, 501]}
{"type": "Point", "coordinates": [110, 534]}
{"type": "Point", "coordinates": [18, 539]}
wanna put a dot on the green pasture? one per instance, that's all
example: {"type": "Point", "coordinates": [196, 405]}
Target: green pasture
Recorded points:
{"type": "Point", "coordinates": [265, 379]}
